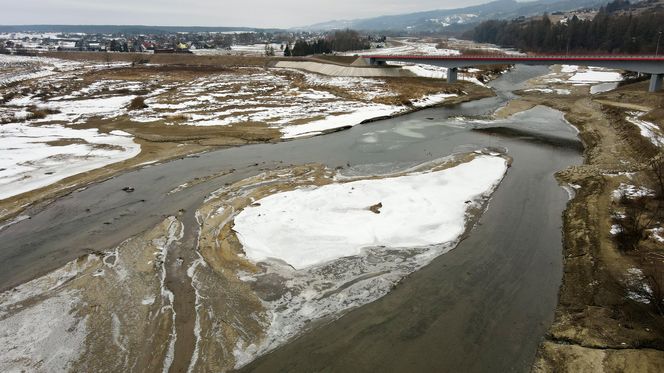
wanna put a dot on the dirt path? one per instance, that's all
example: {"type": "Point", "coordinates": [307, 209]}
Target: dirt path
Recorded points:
{"type": "Point", "coordinates": [179, 259]}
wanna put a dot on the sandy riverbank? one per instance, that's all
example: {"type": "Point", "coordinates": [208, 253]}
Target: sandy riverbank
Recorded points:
{"type": "Point", "coordinates": [601, 322]}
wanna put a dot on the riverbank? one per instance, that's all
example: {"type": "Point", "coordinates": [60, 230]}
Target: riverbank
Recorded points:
{"type": "Point", "coordinates": [185, 109]}
{"type": "Point", "coordinates": [604, 319]}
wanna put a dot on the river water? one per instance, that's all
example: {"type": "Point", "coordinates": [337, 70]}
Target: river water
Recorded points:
{"type": "Point", "coordinates": [484, 306]}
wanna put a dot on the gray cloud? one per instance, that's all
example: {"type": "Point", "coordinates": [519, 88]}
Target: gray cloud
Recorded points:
{"type": "Point", "coordinates": [257, 13]}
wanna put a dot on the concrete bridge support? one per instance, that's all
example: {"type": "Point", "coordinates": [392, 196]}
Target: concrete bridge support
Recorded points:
{"type": "Point", "coordinates": [452, 74]}
{"type": "Point", "coordinates": [655, 82]}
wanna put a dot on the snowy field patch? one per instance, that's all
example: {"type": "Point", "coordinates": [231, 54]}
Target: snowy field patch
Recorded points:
{"type": "Point", "coordinates": [311, 226]}
{"type": "Point", "coordinates": [595, 75]}
{"type": "Point", "coordinates": [432, 99]}
{"type": "Point", "coordinates": [32, 157]}
{"type": "Point", "coordinates": [338, 121]}
{"type": "Point", "coordinates": [550, 90]}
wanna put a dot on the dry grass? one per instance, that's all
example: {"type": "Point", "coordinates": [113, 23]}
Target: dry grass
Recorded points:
{"type": "Point", "coordinates": [40, 112]}
{"type": "Point", "coordinates": [137, 103]}
{"type": "Point", "coordinates": [65, 142]}
{"type": "Point", "coordinates": [481, 52]}
{"type": "Point", "coordinates": [162, 59]}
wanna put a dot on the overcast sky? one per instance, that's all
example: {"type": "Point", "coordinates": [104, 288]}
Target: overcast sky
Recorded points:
{"type": "Point", "coordinates": [256, 13]}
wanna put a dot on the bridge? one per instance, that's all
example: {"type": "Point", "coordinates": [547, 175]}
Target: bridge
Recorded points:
{"type": "Point", "coordinates": [653, 65]}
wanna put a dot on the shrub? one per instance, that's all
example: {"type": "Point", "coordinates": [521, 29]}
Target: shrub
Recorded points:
{"type": "Point", "coordinates": [137, 103]}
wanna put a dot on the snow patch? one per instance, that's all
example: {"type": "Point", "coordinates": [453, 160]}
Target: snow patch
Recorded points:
{"type": "Point", "coordinates": [311, 226]}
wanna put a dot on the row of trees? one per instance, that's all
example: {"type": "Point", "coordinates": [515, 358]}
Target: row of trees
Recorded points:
{"type": "Point", "coordinates": [340, 41]}
{"type": "Point", "coordinates": [606, 32]}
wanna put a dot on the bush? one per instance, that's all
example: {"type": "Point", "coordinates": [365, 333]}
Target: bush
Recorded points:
{"type": "Point", "coordinates": [137, 103]}
{"type": "Point", "coordinates": [633, 224]}
{"type": "Point", "coordinates": [41, 112]}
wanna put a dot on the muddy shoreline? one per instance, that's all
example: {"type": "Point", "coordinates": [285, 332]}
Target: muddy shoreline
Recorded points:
{"type": "Point", "coordinates": [597, 327]}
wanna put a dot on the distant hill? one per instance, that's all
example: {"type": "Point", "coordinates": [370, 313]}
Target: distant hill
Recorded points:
{"type": "Point", "coordinates": [126, 29]}
{"type": "Point", "coordinates": [457, 20]}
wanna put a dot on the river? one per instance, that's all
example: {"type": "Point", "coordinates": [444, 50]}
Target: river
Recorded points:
{"type": "Point", "coordinates": [484, 306]}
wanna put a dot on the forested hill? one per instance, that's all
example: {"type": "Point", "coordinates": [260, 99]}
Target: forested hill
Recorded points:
{"type": "Point", "coordinates": [615, 29]}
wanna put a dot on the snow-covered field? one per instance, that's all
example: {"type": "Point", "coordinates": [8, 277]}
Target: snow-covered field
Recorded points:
{"type": "Point", "coordinates": [599, 79]}
{"type": "Point", "coordinates": [32, 157]}
{"type": "Point", "coordinates": [18, 68]}
{"type": "Point", "coordinates": [36, 152]}
{"type": "Point", "coordinates": [241, 50]}
{"type": "Point", "coordinates": [267, 97]}
{"type": "Point", "coordinates": [407, 47]}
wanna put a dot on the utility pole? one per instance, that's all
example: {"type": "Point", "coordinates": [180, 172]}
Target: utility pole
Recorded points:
{"type": "Point", "coordinates": [659, 37]}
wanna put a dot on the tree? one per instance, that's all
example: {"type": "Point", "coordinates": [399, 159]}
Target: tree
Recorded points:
{"type": "Point", "coordinates": [269, 50]}
{"type": "Point", "coordinates": [287, 51]}
{"type": "Point", "coordinates": [616, 32]}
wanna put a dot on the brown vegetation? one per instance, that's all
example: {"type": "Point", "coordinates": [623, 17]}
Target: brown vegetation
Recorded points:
{"type": "Point", "coordinates": [41, 112]}
{"type": "Point", "coordinates": [137, 103]}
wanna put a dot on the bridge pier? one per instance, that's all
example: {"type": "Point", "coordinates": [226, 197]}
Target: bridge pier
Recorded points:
{"type": "Point", "coordinates": [452, 74]}
{"type": "Point", "coordinates": [655, 82]}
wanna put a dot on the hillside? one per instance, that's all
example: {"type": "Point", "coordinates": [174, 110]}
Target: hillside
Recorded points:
{"type": "Point", "coordinates": [456, 20]}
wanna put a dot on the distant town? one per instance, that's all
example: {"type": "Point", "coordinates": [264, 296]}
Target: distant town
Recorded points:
{"type": "Point", "coordinates": [227, 42]}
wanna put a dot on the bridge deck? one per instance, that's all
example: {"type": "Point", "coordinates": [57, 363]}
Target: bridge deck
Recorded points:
{"type": "Point", "coordinates": [649, 64]}
{"type": "Point", "coordinates": [503, 57]}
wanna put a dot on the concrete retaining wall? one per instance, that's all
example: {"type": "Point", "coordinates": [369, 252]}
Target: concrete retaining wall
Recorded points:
{"type": "Point", "coordinates": [338, 70]}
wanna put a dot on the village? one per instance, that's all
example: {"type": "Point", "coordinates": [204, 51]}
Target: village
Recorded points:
{"type": "Point", "coordinates": [233, 42]}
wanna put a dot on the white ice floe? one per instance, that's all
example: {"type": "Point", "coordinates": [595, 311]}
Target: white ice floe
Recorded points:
{"type": "Point", "coordinates": [28, 162]}
{"type": "Point", "coordinates": [550, 90]}
{"type": "Point", "coordinates": [603, 87]}
{"type": "Point", "coordinates": [649, 130]}
{"type": "Point", "coordinates": [595, 75]}
{"type": "Point", "coordinates": [569, 69]}
{"type": "Point", "coordinates": [339, 121]}
{"type": "Point", "coordinates": [430, 100]}
{"type": "Point", "coordinates": [437, 72]}
{"type": "Point", "coordinates": [310, 226]}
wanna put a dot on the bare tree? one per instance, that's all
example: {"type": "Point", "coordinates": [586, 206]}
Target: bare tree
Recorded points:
{"type": "Point", "coordinates": [108, 58]}
{"type": "Point", "coordinates": [634, 222]}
